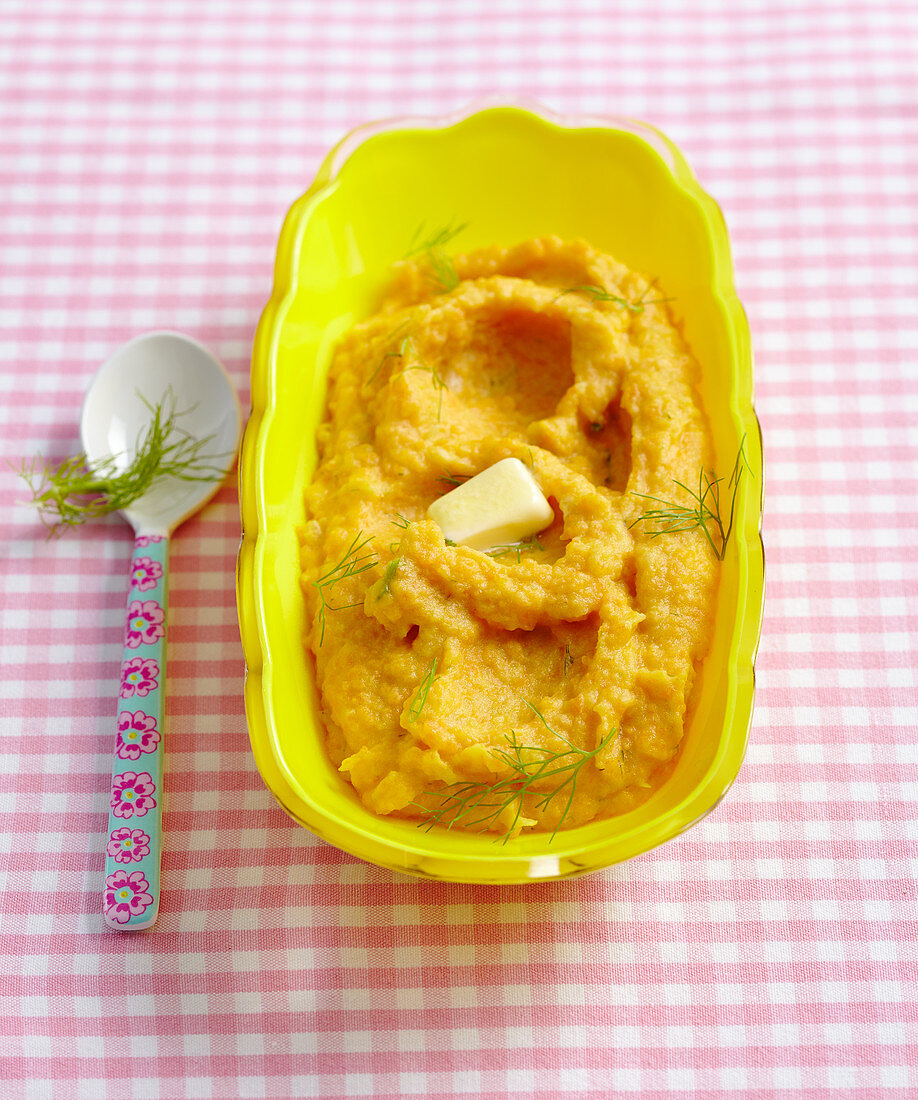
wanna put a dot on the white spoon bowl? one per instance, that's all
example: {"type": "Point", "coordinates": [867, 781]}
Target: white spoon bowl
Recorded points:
{"type": "Point", "coordinates": [114, 415]}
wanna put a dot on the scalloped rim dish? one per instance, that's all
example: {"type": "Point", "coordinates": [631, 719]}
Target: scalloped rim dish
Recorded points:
{"type": "Point", "coordinates": [281, 716]}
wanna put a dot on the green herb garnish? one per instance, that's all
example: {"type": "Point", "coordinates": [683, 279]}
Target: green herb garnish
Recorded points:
{"type": "Point", "coordinates": [387, 576]}
{"type": "Point", "coordinates": [437, 239]}
{"type": "Point", "coordinates": [435, 380]}
{"type": "Point", "coordinates": [400, 521]}
{"type": "Point", "coordinates": [73, 492]}
{"type": "Point", "coordinates": [399, 331]}
{"type": "Point", "coordinates": [704, 513]}
{"type": "Point", "coordinates": [600, 294]}
{"type": "Point", "coordinates": [443, 270]}
{"type": "Point", "coordinates": [481, 804]}
{"type": "Point", "coordinates": [453, 479]}
{"type": "Point", "coordinates": [401, 353]}
{"type": "Point", "coordinates": [353, 563]}
{"type": "Point", "coordinates": [423, 690]}
{"type": "Point", "coordinates": [519, 548]}
{"type": "Point", "coordinates": [568, 660]}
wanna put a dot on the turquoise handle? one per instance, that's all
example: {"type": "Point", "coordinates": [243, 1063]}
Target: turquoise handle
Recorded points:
{"type": "Point", "coordinates": [133, 848]}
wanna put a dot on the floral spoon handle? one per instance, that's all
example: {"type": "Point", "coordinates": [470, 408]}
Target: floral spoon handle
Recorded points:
{"type": "Point", "coordinates": [134, 844]}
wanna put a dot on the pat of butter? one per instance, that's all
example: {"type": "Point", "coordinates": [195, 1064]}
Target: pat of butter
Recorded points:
{"type": "Point", "coordinates": [501, 505]}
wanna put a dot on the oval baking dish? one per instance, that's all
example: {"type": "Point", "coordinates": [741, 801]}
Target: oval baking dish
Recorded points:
{"type": "Point", "coordinates": [510, 174]}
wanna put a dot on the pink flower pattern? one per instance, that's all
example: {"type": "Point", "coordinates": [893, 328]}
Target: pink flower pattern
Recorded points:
{"type": "Point", "coordinates": [127, 893]}
{"type": "Point", "coordinates": [137, 733]}
{"type": "Point", "coordinates": [144, 623]}
{"type": "Point", "coordinates": [139, 676]}
{"type": "Point", "coordinates": [145, 572]}
{"type": "Point", "coordinates": [128, 845]}
{"type": "Point", "coordinates": [132, 794]}
{"type": "Point", "coordinates": [126, 896]}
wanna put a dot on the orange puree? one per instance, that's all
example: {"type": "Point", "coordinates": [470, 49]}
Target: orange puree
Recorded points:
{"type": "Point", "coordinates": [459, 684]}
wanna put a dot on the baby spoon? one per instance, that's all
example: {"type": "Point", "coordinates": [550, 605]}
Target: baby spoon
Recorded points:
{"type": "Point", "coordinates": [117, 411]}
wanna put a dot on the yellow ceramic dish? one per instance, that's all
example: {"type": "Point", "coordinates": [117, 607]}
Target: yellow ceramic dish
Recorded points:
{"type": "Point", "coordinates": [511, 174]}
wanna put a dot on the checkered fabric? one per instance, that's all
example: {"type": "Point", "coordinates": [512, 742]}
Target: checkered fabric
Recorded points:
{"type": "Point", "coordinates": [148, 152]}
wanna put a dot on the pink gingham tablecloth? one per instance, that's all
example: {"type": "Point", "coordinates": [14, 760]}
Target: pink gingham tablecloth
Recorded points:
{"type": "Point", "coordinates": [148, 152]}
